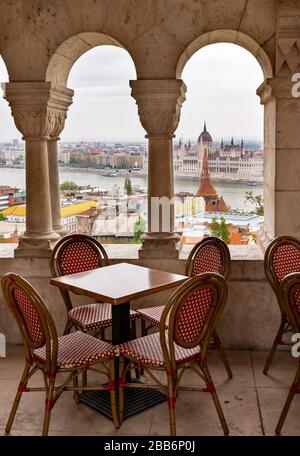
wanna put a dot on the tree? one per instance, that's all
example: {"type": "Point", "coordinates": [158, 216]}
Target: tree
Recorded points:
{"type": "Point", "coordinates": [128, 186]}
{"type": "Point", "coordinates": [2, 218]}
{"type": "Point", "coordinates": [220, 229]}
{"type": "Point", "coordinates": [139, 229]}
{"type": "Point", "coordinates": [257, 200]}
{"type": "Point", "coordinates": [68, 185]}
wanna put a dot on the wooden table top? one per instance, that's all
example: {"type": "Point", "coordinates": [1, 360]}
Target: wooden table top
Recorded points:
{"type": "Point", "coordinates": [119, 283]}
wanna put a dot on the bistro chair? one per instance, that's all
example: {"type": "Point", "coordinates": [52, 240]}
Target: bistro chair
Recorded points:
{"type": "Point", "coordinates": [78, 253]}
{"type": "Point", "coordinates": [192, 312]}
{"type": "Point", "coordinates": [71, 354]}
{"type": "Point", "coordinates": [282, 257]}
{"type": "Point", "coordinates": [209, 255]}
{"type": "Point", "coordinates": [290, 301]}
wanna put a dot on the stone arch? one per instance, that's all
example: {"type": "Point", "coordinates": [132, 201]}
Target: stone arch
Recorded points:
{"type": "Point", "coordinates": [70, 50]}
{"type": "Point", "coordinates": [227, 36]}
{"type": "Point", "coordinates": [264, 91]}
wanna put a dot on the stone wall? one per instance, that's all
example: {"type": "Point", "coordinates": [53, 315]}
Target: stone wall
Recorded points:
{"type": "Point", "coordinates": [250, 318]}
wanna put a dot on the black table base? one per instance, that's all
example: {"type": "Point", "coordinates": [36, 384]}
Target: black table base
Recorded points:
{"type": "Point", "coordinates": [136, 400]}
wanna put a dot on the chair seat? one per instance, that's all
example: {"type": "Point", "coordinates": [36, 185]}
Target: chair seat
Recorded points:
{"type": "Point", "coordinates": [94, 316]}
{"type": "Point", "coordinates": [153, 315]}
{"type": "Point", "coordinates": [148, 352]}
{"type": "Point", "coordinates": [77, 350]}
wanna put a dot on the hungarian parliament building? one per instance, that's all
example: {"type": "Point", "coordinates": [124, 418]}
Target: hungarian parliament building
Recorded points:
{"type": "Point", "coordinates": [226, 162]}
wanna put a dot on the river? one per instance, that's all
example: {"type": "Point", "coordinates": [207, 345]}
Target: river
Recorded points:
{"type": "Point", "coordinates": [233, 193]}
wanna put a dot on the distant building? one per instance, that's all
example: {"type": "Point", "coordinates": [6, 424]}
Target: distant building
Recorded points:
{"type": "Point", "coordinates": [69, 213]}
{"type": "Point", "coordinates": [227, 161]}
{"type": "Point", "coordinates": [10, 196]}
{"type": "Point", "coordinates": [213, 203]}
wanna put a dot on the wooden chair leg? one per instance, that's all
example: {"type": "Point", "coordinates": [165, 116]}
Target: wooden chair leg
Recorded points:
{"type": "Point", "coordinates": [84, 379]}
{"type": "Point", "coordinates": [121, 388]}
{"type": "Point", "coordinates": [171, 404]}
{"type": "Point", "coordinates": [133, 336]}
{"type": "Point", "coordinates": [48, 406]}
{"type": "Point", "coordinates": [113, 398]}
{"type": "Point", "coordinates": [22, 385]}
{"type": "Point", "coordinates": [274, 346]}
{"type": "Point", "coordinates": [210, 388]}
{"type": "Point", "coordinates": [76, 392]}
{"type": "Point", "coordinates": [295, 388]}
{"type": "Point", "coordinates": [143, 333]}
{"type": "Point", "coordinates": [143, 328]}
{"type": "Point", "coordinates": [221, 351]}
{"type": "Point", "coordinates": [68, 327]}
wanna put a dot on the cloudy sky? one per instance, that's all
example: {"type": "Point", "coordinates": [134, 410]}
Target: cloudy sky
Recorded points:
{"type": "Point", "coordinates": [221, 81]}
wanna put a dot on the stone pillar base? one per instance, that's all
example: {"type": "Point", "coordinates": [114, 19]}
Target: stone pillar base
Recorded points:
{"type": "Point", "coordinates": [35, 248]}
{"type": "Point", "coordinates": [62, 232]}
{"type": "Point", "coordinates": [159, 246]}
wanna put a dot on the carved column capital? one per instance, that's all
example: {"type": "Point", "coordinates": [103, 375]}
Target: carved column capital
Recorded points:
{"type": "Point", "coordinates": [280, 88]}
{"type": "Point", "coordinates": [39, 108]}
{"type": "Point", "coordinates": [265, 92]}
{"type": "Point", "coordinates": [159, 104]}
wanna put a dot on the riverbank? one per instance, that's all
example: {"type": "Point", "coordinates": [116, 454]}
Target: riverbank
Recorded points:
{"type": "Point", "coordinates": [232, 192]}
{"type": "Point", "coordinates": [143, 174]}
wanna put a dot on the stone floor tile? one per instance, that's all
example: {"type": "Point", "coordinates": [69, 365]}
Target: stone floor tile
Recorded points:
{"type": "Point", "coordinates": [281, 372]}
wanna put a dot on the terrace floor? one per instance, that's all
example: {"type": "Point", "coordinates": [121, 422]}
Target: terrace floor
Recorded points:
{"type": "Point", "coordinates": [251, 402]}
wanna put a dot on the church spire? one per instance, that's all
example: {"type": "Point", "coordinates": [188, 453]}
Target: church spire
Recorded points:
{"type": "Point", "coordinates": [206, 188]}
{"type": "Point", "coordinates": [232, 142]}
{"type": "Point", "coordinates": [222, 144]}
{"type": "Point", "coordinates": [242, 143]}
{"type": "Point", "coordinates": [204, 128]}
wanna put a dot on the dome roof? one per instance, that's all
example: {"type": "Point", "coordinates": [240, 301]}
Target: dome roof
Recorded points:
{"type": "Point", "coordinates": [205, 136]}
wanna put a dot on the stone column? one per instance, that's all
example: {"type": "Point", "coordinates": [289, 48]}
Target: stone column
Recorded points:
{"type": "Point", "coordinates": [35, 119]}
{"type": "Point", "coordinates": [281, 98]}
{"type": "Point", "coordinates": [159, 104]}
{"type": "Point", "coordinates": [61, 99]}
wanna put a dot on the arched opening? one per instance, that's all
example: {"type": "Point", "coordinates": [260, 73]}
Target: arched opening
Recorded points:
{"type": "Point", "coordinates": [12, 173]}
{"type": "Point", "coordinates": [70, 50]}
{"type": "Point", "coordinates": [227, 36]}
{"type": "Point", "coordinates": [102, 145]}
{"type": "Point", "coordinates": [221, 138]}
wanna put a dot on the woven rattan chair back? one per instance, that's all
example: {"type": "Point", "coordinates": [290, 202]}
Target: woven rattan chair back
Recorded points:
{"type": "Point", "coordinates": [290, 298]}
{"type": "Point", "coordinates": [209, 255]}
{"type": "Point", "coordinates": [192, 310]}
{"type": "Point", "coordinates": [77, 253]}
{"type": "Point", "coordinates": [35, 323]}
{"type": "Point", "coordinates": [282, 257]}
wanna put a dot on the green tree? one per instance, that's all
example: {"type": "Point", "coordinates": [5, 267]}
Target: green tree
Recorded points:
{"type": "Point", "coordinates": [2, 218]}
{"type": "Point", "coordinates": [68, 185]}
{"type": "Point", "coordinates": [257, 200]}
{"type": "Point", "coordinates": [224, 232]}
{"type": "Point", "coordinates": [220, 229]}
{"type": "Point", "coordinates": [139, 229]}
{"type": "Point", "coordinates": [128, 186]}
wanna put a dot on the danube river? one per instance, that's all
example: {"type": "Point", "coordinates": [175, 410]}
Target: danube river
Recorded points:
{"type": "Point", "coordinates": [233, 193]}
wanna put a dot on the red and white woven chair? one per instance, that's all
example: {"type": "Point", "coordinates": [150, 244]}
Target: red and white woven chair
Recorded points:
{"type": "Point", "coordinates": [209, 255]}
{"type": "Point", "coordinates": [282, 257]}
{"type": "Point", "coordinates": [191, 312]}
{"type": "Point", "coordinates": [78, 253]}
{"type": "Point", "coordinates": [290, 303]}
{"type": "Point", "coordinates": [71, 354]}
